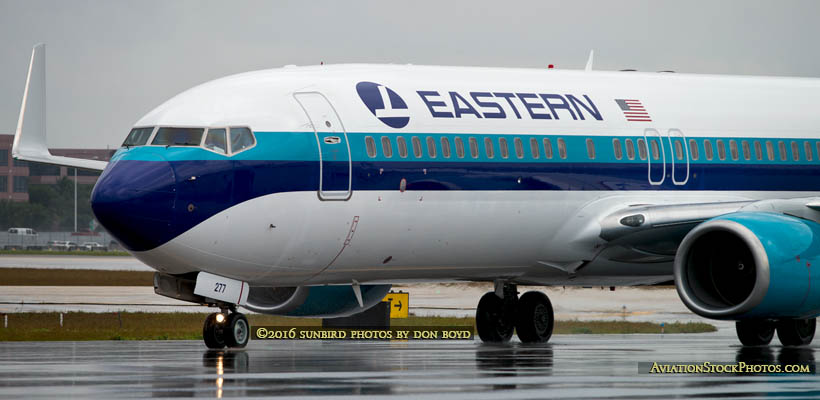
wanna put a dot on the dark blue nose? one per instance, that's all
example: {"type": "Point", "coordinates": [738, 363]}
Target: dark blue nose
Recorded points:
{"type": "Point", "coordinates": [134, 201]}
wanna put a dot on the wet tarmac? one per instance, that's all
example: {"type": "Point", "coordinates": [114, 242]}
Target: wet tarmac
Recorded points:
{"type": "Point", "coordinates": [571, 366]}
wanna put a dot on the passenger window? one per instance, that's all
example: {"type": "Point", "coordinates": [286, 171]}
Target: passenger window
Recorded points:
{"type": "Point", "coordinates": [693, 149]}
{"type": "Point", "coordinates": [402, 144]}
{"type": "Point", "coordinates": [217, 140]}
{"type": "Point", "coordinates": [656, 152]}
{"type": "Point", "coordinates": [747, 152]}
{"type": "Point", "coordinates": [502, 146]}
{"type": "Point", "coordinates": [488, 148]}
{"type": "Point", "coordinates": [416, 146]}
{"type": "Point", "coordinates": [782, 146]}
{"type": "Point", "coordinates": [617, 150]}
{"type": "Point", "coordinates": [445, 147]}
{"type": "Point", "coordinates": [758, 150]}
{"type": "Point", "coordinates": [630, 149]}
{"type": "Point", "coordinates": [642, 149]}
{"type": "Point", "coordinates": [474, 147]}
{"type": "Point", "coordinates": [808, 149]}
{"type": "Point", "coordinates": [431, 147]}
{"type": "Point", "coordinates": [369, 143]}
{"type": "Point", "coordinates": [137, 137]}
{"type": "Point", "coordinates": [590, 149]}
{"type": "Point", "coordinates": [534, 148]}
{"type": "Point", "coordinates": [459, 147]}
{"type": "Point", "coordinates": [386, 147]}
{"type": "Point", "coordinates": [721, 149]}
{"type": "Point", "coordinates": [241, 139]}
{"type": "Point", "coordinates": [562, 148]}
{"type": "Point", "coordinates": [770, 150]}
{"type": "Point", "coordinates": [733, 149]}
{"type": "Point", "coordinates": [519, 148]}
{"type": "Point", "coordinates": [179, 136]}
{"type": "Point", "coordinates": [678, 149]}
{"type": "Point", "coordinates": [547, 148]}
{"type": "Point", "coordinates": [707, 147]}
{"type": "Point", "coordinates": [795, 151]}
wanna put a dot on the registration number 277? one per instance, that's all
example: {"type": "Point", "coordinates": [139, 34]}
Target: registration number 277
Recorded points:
{"type": "Point", "coordinates": [219, 287]}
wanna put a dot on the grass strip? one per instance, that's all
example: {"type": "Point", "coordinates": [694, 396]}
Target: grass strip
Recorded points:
{"type": "Point", "coordinates": [81, 326]}
{"type": "Point", "coordinates": [73, 277]}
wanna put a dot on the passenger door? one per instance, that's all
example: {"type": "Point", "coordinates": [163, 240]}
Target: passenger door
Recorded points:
{"type": "Point", "coordinates": [335, 165]}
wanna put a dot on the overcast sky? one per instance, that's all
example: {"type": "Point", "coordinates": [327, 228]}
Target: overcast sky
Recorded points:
{"type": "Point", "coordinates": [110, 62]}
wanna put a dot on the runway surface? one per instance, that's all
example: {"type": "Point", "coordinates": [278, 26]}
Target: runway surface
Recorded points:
{"type": "Point", "coordinates": [110, 263]}
{"type": "Point", "coordinates": [571, 366]}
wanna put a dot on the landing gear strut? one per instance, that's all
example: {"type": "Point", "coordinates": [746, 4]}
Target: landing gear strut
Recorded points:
{"type": "Point", "coordinates": [502, 311]}
{"type": "Point", "coordinates": [226, 330]}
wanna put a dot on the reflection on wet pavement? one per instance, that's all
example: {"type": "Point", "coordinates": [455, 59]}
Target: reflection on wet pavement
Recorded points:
{"type": "Point", "coordinates": [571, 366]}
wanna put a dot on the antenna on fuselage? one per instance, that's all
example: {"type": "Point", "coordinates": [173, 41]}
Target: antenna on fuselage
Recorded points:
{"type": "Point", "coordinates": [589, 61]}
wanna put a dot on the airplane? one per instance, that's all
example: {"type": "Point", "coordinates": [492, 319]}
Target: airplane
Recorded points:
{"type": "Point", "coordinates": [309, 191]}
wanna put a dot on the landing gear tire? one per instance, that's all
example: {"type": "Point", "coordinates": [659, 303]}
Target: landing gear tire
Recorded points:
{"type": "Point", "coordinates": [796, 332]}
{"type": "Point", "coordinates": [236, 331]}
{"type": "Point", "coordinates": [212, 332]}
{"type": "Point", "coordinates": [534, 318]}
{"type": "Point", "coordinates": [495, 321]}
{"type": "Point", "coordinates": [755, 332]}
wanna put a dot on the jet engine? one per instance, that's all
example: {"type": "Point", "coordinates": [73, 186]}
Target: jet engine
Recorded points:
{"type": "Point", "coordinates": [314, 301]}
{"type": "Point", "coordinates": [751, 265]}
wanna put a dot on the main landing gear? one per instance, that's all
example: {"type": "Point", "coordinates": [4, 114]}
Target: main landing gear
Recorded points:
{"type": "Point", "coordinates": [226, 330]}
{"type": "Point", "coordinates": [791, 332]}
{"type": "Point", "coordinates": [502, 311]}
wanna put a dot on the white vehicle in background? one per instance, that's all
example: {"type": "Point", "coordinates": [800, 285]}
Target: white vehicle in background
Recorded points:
{"type": "Point", "coordinates": [91, 246]}
{"type": "Point", "coordinates": [22, 231]}
{"type": "Point", "coordinates": [62, 245]}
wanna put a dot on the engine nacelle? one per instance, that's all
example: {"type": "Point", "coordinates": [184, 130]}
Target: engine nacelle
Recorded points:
{"type": "Point", "coordinates": [314, 301]}
{"type": "Point", "coordinates": [748, 265]}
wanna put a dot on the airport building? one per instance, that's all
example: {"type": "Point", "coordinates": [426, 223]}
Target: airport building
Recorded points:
{"type": "Point", "coordinates": [16, 175]}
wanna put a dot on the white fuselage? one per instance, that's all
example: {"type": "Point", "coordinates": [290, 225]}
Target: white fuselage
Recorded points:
{"type": "Point", "coordinates": [423, 218]}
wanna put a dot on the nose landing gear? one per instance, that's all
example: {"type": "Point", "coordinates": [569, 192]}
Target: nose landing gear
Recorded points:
{"type": "Point", "coordinates": [226, 330]}
{"type": "Point", "coordinates": [501, 311]}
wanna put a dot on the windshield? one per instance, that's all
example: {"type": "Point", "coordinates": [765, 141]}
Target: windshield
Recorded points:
{"type": "Point", "coordinates": [241, 138]}
{"type": "Point", "coordinates": [216, 140]}
{"type": "Point", "coordinates": [178, 137]}
{"type": "Point", "coordinates": [138, 137]}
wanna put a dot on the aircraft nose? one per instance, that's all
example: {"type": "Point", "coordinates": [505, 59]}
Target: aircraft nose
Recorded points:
{"type": "Point", "coordinates": [134, 201]}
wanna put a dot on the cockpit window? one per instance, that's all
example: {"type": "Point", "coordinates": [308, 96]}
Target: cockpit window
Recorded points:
{"type": "Point", "coordinates": [138, 137]}
{"type": "Point", "coordinates": [217, 141]}
{"type": "Point", "coordinates": [241, 139]}
{"type": "Point", "coordinates": [178, 137]}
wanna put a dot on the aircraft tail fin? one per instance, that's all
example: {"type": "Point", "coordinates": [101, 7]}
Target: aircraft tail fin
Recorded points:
{"type": "Point", "coordinates": [30, 136]}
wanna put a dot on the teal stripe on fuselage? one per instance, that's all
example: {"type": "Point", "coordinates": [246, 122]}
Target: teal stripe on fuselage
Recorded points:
{"type": "Point", "coordinates": [301, 146]}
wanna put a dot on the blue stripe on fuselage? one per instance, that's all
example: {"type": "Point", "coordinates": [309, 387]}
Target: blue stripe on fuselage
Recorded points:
{"type": "Point", "coordinates": [288, 162]}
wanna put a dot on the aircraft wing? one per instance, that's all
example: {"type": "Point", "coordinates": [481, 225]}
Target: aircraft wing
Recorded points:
{"type": "Point", "coordinates": [30, 136]}
{"type": "Point", "coordinates": [652, 233]}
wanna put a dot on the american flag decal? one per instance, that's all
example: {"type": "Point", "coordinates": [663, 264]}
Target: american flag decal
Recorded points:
{"type": "Point", "coordinates": [633, 110]}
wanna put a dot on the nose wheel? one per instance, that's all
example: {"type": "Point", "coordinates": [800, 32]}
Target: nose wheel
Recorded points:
{"type": "Point", "coordinates": [531, 316]}
{"type": "Point", "coordinates": [221, 330]}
